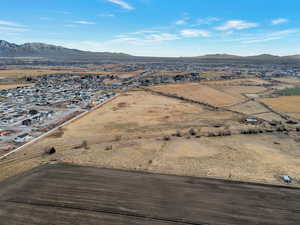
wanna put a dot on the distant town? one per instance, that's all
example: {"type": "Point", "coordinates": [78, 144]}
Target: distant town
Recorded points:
{"type": "Point", "coordinates": [30, 111]}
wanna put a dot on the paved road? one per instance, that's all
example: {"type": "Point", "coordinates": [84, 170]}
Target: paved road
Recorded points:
{"type": "Point", "coordinates": [63, 194]}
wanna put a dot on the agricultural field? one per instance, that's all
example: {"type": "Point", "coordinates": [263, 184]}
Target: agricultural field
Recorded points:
{"type": "Point", "coordinates": [19, 73]}
{"type": "Point", "coordinates": [250, 108]}
{"type": "Point", "coordinates": [202, 93]}
{"type": "Point", "coordinates": [239, 91]}
{"type": "Point", "coordinates": [289, 80]}
{"type": "Point", "coordinates": [236, 90]}
{"type": "Point", "coordinates": [130, 133]}
{"type": "Point", "coordinates": [237, 82]}
{"type": "Point", "coordinates": [270, 116]}
{"type": "Point", "coordinates": [289, 92]}
{"type": "Point", "coordinates": [286, 104]}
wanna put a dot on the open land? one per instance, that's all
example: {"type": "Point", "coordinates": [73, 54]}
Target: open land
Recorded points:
{"type": "Point", "coordinates": [148, 126]}
{"type": "Point", "coordinates": [250, 108]}
{"type": "Point", "coordinates": [290, 91]}
{"type": "Point", "coordinates": [78, 146]}
{"type": "Point", "coordinates": [289, 80]}
{"type": "Point", "coordinates": [199, 92]}
{"type": "Point", "coordinates": [18, 73]}
{"type": "Point", "coordinates": [68, 194]}
{"type": "Point", "coordinates": [287, 104]}
{"type": "Point", "coordinates": [129, 133]}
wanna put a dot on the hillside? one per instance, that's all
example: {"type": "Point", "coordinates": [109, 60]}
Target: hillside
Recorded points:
{"type": "Point", "coordinates": [8, 49]}
{"type": "Point", "coordinates": [63, 54]}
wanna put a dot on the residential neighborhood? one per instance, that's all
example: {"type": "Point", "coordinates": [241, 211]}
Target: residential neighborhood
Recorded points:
{"type": "Point", "coordinates": [30, 111]}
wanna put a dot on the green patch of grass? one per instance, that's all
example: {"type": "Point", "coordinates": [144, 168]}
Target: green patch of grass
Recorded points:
{"type": "Point", "coordinates": [290, 92]}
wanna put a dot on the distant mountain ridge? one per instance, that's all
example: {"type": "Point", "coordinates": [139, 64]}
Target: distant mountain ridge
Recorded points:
{"type": "Point", "coordinates": [255, 57]}
{"type": "Point", "coordinates": [8, 49]}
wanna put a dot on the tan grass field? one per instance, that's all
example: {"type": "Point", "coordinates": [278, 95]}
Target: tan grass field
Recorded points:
{"type": "Point", "coordinates": [285, 104]}
{"type": "Point", "coordinates": [123, 122]}
{"type": "Point", "coordinates": [236, 82]}
{"type": "Point", "coordinates": [128, 133]}
{"type": "Point", "coordinates": [270, 116]}
{"type": "Point", "coordinates": [239, 90]}
{"type": "Point", "coordinates": [254, 158]}
{"type": "Point", "coordinates": [250, 108]}
{"type": "Point", "coordinates": [18, 73]}
{"type": "Point", "coordinates": [200, 92]}
{"type": "Point", "coordinates": [290, 80]}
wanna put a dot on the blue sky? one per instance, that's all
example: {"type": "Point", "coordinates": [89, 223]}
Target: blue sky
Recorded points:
{"type": "Point", "coordinates": [157, 27]}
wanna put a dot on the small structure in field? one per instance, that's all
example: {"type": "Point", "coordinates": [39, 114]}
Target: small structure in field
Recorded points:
{"type": "Point", "coordinates": [287, 179]}
{"type": "Point", "coordinates": [251, 120]}
{"type": "Point", "coordinates": [50, 151]}
{"type": "Point", "coordinates": [167, 138]}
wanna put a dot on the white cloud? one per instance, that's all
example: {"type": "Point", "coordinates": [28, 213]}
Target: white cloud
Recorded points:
{"type": "Point", "coordinates": [85, 22]}
{"type": "Point", "coordinates": [195, 33]}
{"type": "Point", "coordinates": [180, 22]}
{"type": "Point", "coordinates": [7, 26]}
{"type": "Point", "coordinates": [141, 32]}
{"type": "Point", "coordinates": [236, 25]}
{"type": "Point", "coordinates": [161, 37]}
{"type": "Point", "coordinates": [13, 29]}
{"type": "Point", "coordinates": [122, 3]}
{"type": "Point", "coordinates": [277, 35]}
{"type": "Point", "coordinates": [124, 40]}
{"type": "Point", "coordinates": [208, 20]}
{"type": "Point", "coordinates": [145, 39]}
{"type": "Point", "coordinates": [261, 40]}
{"type": "Point", "coordinates": [279, 21]}
{"type": "Point", "coordinates": [285, 32]}
{"type": "Point", "coordinates": [8, 23]}
{"type": "Point", "coordinates": [107, 15]}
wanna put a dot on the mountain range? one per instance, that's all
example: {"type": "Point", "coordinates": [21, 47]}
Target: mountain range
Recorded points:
{"type": "Point", "coordinates": [8, 49]}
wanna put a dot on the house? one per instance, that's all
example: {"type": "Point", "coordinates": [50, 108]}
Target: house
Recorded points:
{"type": "Point", "coordinates": [4, 132]}
{"type": "Point", "coordinates": [287, 179]}
{"type": "Point", "coordinates": [251, 120]}
{"type": "Point", "coordinates": [27, 122]}
{"type": "Point", "coordinates": [33, 112]}
{"type": "Point", "coordinates": [23, 138]}
{"type": "Point", "coordinates": [47, 114]}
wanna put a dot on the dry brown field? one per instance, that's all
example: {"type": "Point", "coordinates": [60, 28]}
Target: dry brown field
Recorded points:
{"type": "Point", "coordinates": [250, 108]}
{"type": "Point", "coordinates": [128, 133]}
{"type": "Point", "coordinates": [290, 80]}
{"type": "Point", "coordinates": [238, 90]}
{"type": "Point", "coordinates": [285, 104]}
{"type": "Point", "coordinates": [199, 92]}
{"type": "Point", "coordinates": [134, 115]}
{"type": "Point", "coordinates": [18, 73]}
{"type": "Point", "coordinates": [269, 116]}
{"type": "Point", "coordinates": [236, 82]}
